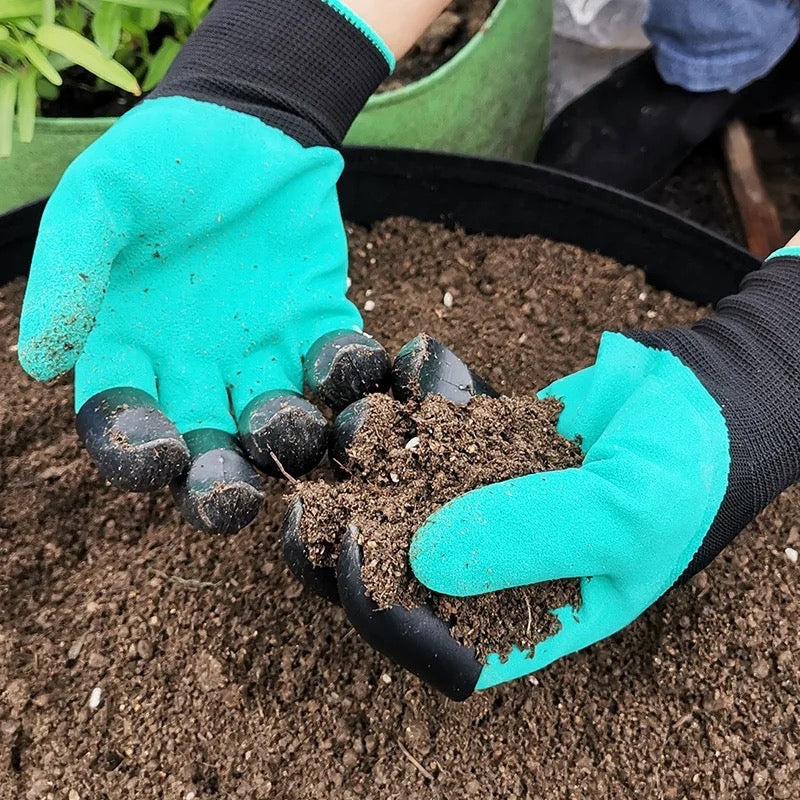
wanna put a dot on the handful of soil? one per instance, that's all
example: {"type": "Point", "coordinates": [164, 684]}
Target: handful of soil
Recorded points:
{"type": "Point", "coordinates": [405, 462]}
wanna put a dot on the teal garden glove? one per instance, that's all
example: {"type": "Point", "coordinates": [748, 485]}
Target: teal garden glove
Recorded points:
{"type": "Point", "coordinates": [687, 435]}
{"type": "Point", "coordinates": [192, 264]}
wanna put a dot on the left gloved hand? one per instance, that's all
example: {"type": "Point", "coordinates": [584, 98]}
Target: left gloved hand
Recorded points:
{"type": "Point", "coordinates": [192, 263]}
{"type": "Point", "coordinates": [687, 434]}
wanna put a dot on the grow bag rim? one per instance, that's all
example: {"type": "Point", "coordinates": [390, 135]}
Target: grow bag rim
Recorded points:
{"type": "Point", "coordinates": [590, 198]}
{"type": "Point", "coordinates": [519, 175]}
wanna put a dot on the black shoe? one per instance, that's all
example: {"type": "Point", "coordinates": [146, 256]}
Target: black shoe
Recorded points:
{"type": "Point", "coordinates": [632, 130]}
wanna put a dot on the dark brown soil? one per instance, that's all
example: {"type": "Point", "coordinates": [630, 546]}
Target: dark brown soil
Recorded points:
{"type": "Point", "coordinates": [409, 460]}
{"type": "Point", "coordinates": [218, 679]}
{"type": "Point", "coordinates": [454, 28]}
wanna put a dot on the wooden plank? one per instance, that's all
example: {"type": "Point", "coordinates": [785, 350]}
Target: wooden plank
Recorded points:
{"type": "Point", "coordinates": [760, 219]}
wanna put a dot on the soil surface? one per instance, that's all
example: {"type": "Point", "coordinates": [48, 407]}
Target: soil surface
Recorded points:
{"type": "Point", "coordinates": [448, 34]}
{"type": "Point", "coordinates": [214, 678]}
{"type": "Point", "coordinates": [409, 460]}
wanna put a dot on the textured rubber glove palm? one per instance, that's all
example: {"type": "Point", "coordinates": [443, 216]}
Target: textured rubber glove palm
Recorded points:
{"type": "Point", "coordinates": [192, 252]}
{"type": "Point", "coordinates": [681, 451]}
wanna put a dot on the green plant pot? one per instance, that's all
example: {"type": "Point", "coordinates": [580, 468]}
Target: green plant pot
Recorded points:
{"type": "Point", "coordinates": [33, 170]}
{"type": "Point", "coordinates": [487, 100]}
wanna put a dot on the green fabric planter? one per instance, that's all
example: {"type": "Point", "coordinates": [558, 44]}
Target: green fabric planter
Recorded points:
{"type": "Point", "coordinates": [487, 100]}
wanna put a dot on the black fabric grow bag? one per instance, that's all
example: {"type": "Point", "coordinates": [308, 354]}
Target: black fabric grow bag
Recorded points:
{"type": "Point", "coordinates": [501, 198]}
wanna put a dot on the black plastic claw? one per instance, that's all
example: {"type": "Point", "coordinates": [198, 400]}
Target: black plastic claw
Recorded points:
{"type": "Point", "coordinates": [343, 433]}
{"type": "Point", "coordinates": [415, 639]}
{"type": "Point", "coordinates": [343, 366]}
{"type": "Point", "coordinates": [221, 493]}
{"type": "Point", "coordinates": [424, 366]}
{"type": "Point", "coordinates": [133, 444]}
{"type": "Point", "coordinates": [320, 580]}
{"type": "Point", "coordinates": [283, 434]}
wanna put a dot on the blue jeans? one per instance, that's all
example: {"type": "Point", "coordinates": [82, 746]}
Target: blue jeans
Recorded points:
{"type": "Point", "coordinates": [705, 45]}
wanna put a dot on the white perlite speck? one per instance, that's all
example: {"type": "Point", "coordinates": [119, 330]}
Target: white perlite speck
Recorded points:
{"type": "Point", "coordinates": [791, 555]}
{"type": "Point", "coordinates": [412, 444]}
{"type": "Point", "coordinates": [369, 305]}
{"type": "Point", "coordinates": [447, 300]}
{"type": "Point", "coordinates": [94, 697]}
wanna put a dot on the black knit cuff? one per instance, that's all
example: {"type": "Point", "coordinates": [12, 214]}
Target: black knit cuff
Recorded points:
{"type": "Point", "coordinates": [298, 65]}
{"type": "Point", "coordinates": [748, 358]}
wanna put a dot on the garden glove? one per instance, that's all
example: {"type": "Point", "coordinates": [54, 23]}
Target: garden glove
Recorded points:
{"type": "Point", "coordinates": [194, 258]}
{"type": "Point", "coordinates": [687, 435]}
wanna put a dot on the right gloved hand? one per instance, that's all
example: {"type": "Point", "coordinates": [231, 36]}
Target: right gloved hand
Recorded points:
{"type": "Point", "coordinates": [192, 263]}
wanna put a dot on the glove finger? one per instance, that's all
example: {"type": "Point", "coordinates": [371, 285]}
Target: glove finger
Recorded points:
{"type": "Point", "coordinates": [319, 579]}
{"type": "Point", "coordinates": [77, 244]}
{"type": "Point", "coordinates": [640, 505]}
{"type": "Point", "coordinates": [221, 492]}
{"type": "Point", "coordinates": [194, 395]}
{"type": "Point", "coordinates": [133, 443]}
{"type": "Point", "coordinates": [344, 365]}
{"type": "Point", "coordinates": [281, 432]}
{"type": "Point", "coordinates": [425, 366]}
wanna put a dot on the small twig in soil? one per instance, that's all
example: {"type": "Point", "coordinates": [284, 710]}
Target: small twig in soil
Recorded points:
{"type": "Point", "coordinates": [283, 472]}
{"type": "Point", "coordinates": [192, 583]}
{"type": "Point", "coordinates": [423, 771]}
{"type": "Point", "coordinates": [530, 616]}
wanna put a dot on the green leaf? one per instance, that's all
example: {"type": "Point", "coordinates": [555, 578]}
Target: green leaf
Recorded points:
{"type": "Point", "coordinates": [107, 27]}
{"type": "Point", "coordinates": [74, 17]}
{"type": "Point", "coordinates": [48, 12]}
{"type": "Point", "coordinates": [160, 63]}
{"type": "Point", "coordinates": [39, 60]}
{"type": "Point", "coordinates": [4, 34]}
{"type": "Point", "coordinates": [20, 8]}
{"type": "Point", "coordinates": [46, 90]}
{"type": "Point", "coordinates": [198, 9]}
{"type": "Point", "coordinates": [12, 49]}
{"type": "Point", "coordinates": [148, 17]}
{"type": "Point", "coordinates": [8, 97]}
{"type": "Point", "coordinates": [26, 104]}
{"type": "Point", "coordinates": [80, 50]}
{"type": "Point", "coordinates": [179, 7]}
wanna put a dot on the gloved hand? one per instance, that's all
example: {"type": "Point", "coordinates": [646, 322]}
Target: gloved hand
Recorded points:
{"type": "Point", "coordinates": [687, 434]}
{"type": "Point", "coordinates": [194, 258]}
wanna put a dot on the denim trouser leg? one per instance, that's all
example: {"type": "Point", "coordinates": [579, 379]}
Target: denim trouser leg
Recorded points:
{"type": "Point", "coordinates": [705, 45]}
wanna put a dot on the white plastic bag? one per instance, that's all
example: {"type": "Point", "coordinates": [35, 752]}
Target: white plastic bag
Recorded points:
{"type": "Point", "coordinates": [609, 24]}
{"type": "Point", "coordinates": [591, 38]}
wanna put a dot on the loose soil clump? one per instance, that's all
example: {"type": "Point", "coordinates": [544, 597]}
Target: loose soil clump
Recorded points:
{"type": "Point", "coordinates": [216, 679]}
{"type": "Point", "coordinates": [448, 34]}
{"type": "Point", "coordinates": [409, 460]}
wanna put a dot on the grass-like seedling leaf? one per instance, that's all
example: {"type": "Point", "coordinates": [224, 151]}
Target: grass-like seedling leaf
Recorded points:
{"type": "Point", "coordinates": [11, 9]}
{"type": "Point", "coordinates": [27, 102]}
{"type": "Point", "coordinates": [178, 7]}
{"type": "Point", "coordinates": [48, 12]}
{"type": "Point", "coordinates": [36, 56]}
{"type": "Point", "coordinates": [107, 28]}
{"type": "Point", "coordinates": [161, 62]}
{"type": "Point", "coordinates": [8, 97]}
{"type": "Point", "coordinates": [86, 54]}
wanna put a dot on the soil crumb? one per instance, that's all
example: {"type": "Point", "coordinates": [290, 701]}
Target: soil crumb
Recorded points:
{"type": "Point", "coordinates": [409, 460]}
{"type": "Point", "coordinates": [449, 33]}
{"type": "Point", "coordinates": [216, 682]}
